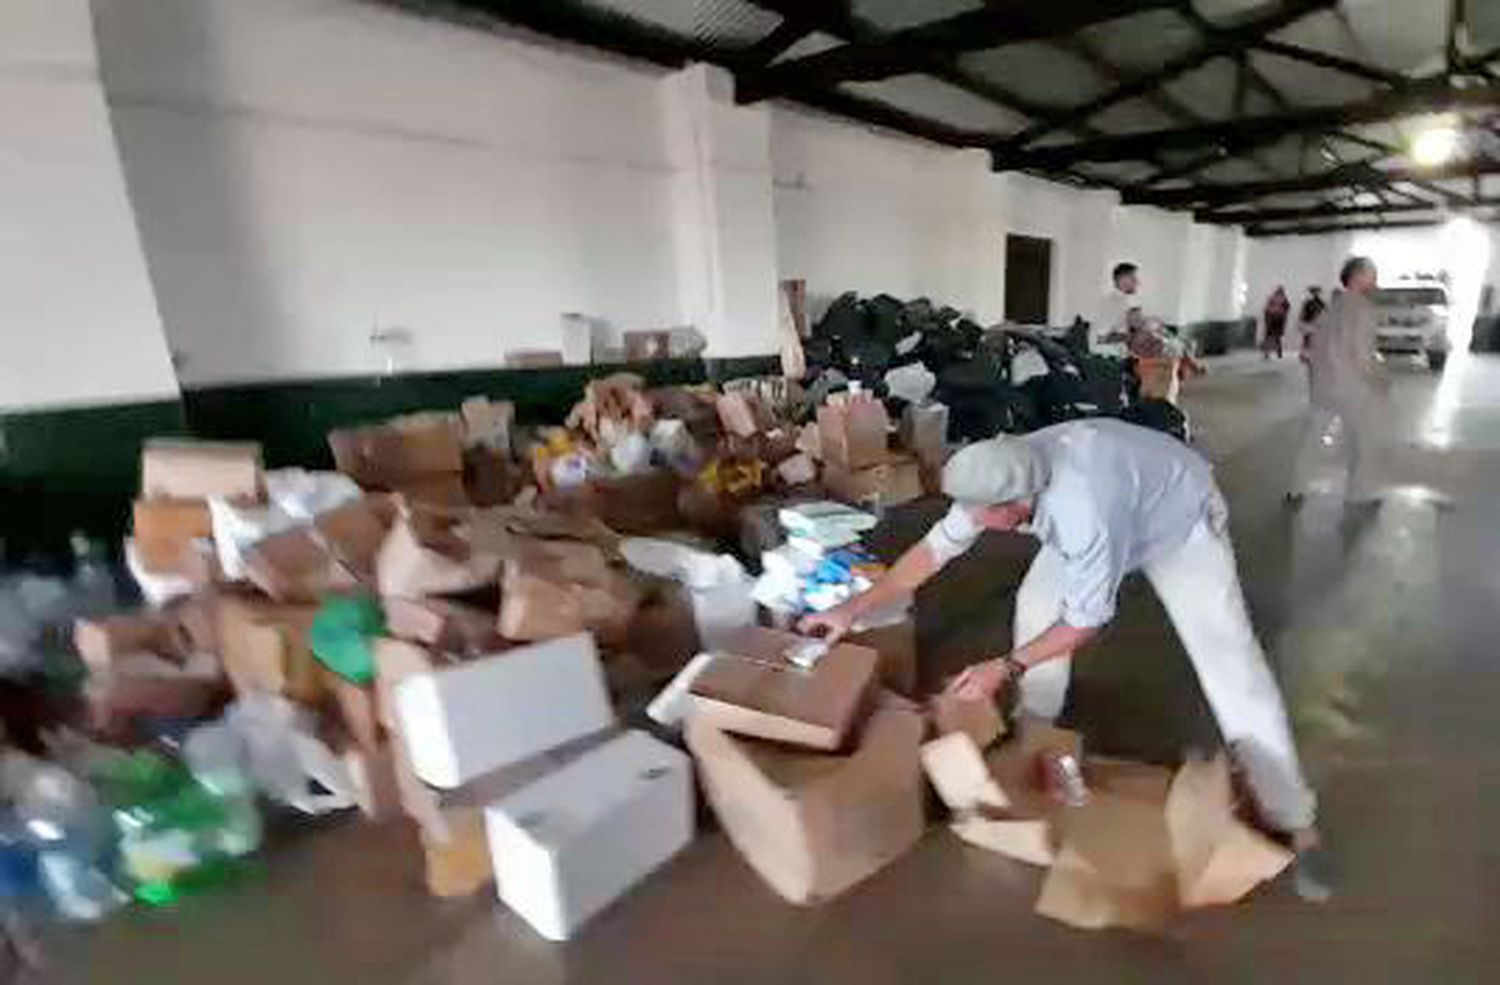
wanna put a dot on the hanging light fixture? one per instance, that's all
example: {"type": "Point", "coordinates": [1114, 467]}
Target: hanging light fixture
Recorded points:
{"type": "Point", "coordinates": [1434, 146]}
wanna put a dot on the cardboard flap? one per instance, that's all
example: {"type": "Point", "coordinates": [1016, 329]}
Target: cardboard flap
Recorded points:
{"type": "Point", "coordinates": [1219, 859]}
{"type": "Point", "coordinates": [1075, 895]}
{"type": "Point", "coordinates": [958, 772]}
{"type": "Point", "coordinates": [978, 719]}
{"type": "Point", "coordinates": [757, 678]}
{"type": "Point", "coordinates": [1028, 841]}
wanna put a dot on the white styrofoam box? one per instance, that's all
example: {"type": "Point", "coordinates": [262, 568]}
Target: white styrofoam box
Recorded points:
{"type": "Point", "coordinates": [463, 721]}
{"type": "Point", "coordinates": [569, 844]}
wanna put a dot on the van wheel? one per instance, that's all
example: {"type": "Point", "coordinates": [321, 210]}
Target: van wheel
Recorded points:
{"type": "Point", "coordinates": [1436, 361]}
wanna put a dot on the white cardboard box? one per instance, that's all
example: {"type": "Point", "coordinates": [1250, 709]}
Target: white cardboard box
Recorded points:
{"type": "Point", "coordinates": [569, 844]}
{"type": "Point", "coordinates": [462, 721]}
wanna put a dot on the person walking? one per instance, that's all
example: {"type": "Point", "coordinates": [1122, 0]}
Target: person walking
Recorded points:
{"type": "Point", "coordinates": [1312, 307]}
{"type": "Point", "coordinates": [1106, 498]}
{"type": "Point", "coordinates": [1278, 306]}
{"type": "Point", "coordinates": [1344, 387]}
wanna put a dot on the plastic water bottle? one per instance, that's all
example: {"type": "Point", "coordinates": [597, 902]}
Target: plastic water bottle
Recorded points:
{"type": "Point", "coordinates": [62, 820]}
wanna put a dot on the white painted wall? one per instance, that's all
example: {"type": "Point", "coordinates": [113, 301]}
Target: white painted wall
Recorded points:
{"type": "Point", "coordinates": [306, 173]}
{"type": "Point", "coordinates": [870, 212]}
{"type": "Point", "coordinates": [305, 170]}
{"type": "Point", "coordinates": [78, 322]}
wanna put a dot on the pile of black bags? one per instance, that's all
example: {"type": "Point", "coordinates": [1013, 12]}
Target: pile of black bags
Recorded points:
{"type": "Point", "coordinates": [861, 339]}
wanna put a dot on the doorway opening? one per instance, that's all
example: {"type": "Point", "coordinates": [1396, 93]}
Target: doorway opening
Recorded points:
{"type": "Point", "coordinates": [1028, 279]}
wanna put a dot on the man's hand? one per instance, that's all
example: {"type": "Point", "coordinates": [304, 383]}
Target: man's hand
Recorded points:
{"type": "Point", "coordinates": [832, 625]}
{"type": "Point", "coordinates": [980, 680]}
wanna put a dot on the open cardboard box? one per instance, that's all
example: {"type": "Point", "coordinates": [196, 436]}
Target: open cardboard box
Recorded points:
{"type": "Point", "coordinates": [750, 687]}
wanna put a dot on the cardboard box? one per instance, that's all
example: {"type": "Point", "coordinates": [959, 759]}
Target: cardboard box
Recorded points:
{"type": "Point", "coordinates": [488, 423]}
{"type": "Point", "coordinates": [569, 844]}
{"type": "Point", "coordinates": [443, 624]}
{"type": "Point", "coordinates": [896, 480]}
{"type": "Point", "coordinates": [182, 469]}
{"type": "Point", "coordinates": [1029, 840]}
{"type": "Point", "coordinates": [145, 686]}
{"type": "Point", "coordinates": [356, 706]}
{"type": "Point", "coordinates": [897, 645]}
{"type": "Point", "coordinates": [643, 503]}
{"type": "Point", "coordinates": [492, 478]}
{"type": "Point", "coordinates": [296, 567]}
{"type": "Point", "coordinates": [354, 533]}
{"type": "Point", "coordinates": [444, 490]}
{"type": "Point", "coordinates": [533, 358]}
{"type": "Point", "coordinates": [195, 619]}
{"type": "Point", "coordinates": [852, 433]}
{"type": "Point", "coordinates": [264, 648]}
{"type": "Point", "coordinates": [463, 721]}
{"type": "Point", "coordinates": [663, 631]}
{"type": "Point", "coordinates": [458, 865]}
{"type": "Point", "coordinates": [1005, 778]}
{"type": "Point", "coordinates": [165, 530]}
{"type": "Point", "coordinates": [423, 555]}
{"type": "Point", "coordinates": [813, 824]}
{"type": "Point", "coordinates": [1218, 858]}
{"type": "Point", "coordinates": [101, 640]}
{"type": "Point", "coordinates": [1135, 855]}
{"type": "Point", "coordinates": [404, 448]}
{"type": "Point", "coordinates": [750, 688]}
{"type": "Point", "coordinates": [557, 588]}
{"type": "Point", "coordinates": [646, 346]}
{"type": "Point", "coordinates": [976, 718]}
{"type": "Point", "coordinates": [373, 773]}
{"type": "Point", "coordinates": [737, 414]}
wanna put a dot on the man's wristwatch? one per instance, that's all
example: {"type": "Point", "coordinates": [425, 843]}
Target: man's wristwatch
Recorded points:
{"type": "Point", "coordinates": [1013, 667]}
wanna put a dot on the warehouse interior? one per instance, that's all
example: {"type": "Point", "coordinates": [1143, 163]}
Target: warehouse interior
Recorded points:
{"type": "Point", "coordinates": [265, 221]}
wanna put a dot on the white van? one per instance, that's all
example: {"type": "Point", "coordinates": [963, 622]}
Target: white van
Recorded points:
{"type": "Point", "coordinates": [1413, 319]}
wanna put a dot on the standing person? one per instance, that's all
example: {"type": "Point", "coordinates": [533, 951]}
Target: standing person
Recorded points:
{"type": "Point", "coordinates": [1312, 307]}
{"type": "Point", "coordinates": [1278, 306]}
{"type": "Point", "coordinates": [1344, 386]}
{"type": "Point", "coordinates": [1106, 498]}
{"type": "Point", "coordinates": [1121, 308]}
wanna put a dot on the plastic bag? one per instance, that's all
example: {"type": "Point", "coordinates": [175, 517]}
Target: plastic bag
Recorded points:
{"type": "Point", "coordinates": [285, 757]}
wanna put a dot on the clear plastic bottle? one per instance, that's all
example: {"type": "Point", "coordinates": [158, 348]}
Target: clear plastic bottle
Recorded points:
{"type": "Point", "coordinates": [62, 819]}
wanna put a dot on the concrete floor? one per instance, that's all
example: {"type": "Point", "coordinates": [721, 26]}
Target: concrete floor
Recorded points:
{"type": "Point", "coordinates": [1382, 629]}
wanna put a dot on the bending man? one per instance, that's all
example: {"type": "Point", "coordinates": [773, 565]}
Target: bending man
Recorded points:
{"type": "Point", "coordinates": [1106, 498]}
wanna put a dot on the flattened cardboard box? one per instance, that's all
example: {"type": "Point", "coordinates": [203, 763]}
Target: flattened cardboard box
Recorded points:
{"type": "Point", "coordinates": [354, 532]}
{"type": "Point", "coordinates": [813, 824]}
{"type": "Point", "coordinates": [183, 469]}
{"type": "Point", "coordinates": [443, 624]}
{"type": "Point", "coordinates": [751, 688]}
{"type": "Point", "coordinates": [296, 567]}
{"type": "Point", "coordinates": [264, 647]}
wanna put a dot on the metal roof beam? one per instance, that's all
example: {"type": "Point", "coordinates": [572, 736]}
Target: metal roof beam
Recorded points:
{"type": "Point", "coordinates": [1237, 136]}
{"type": "Point", "coordinates": [1225, 43]}
{"type": "Point", "coordinates": [913, 49]}
{"type": "Point", "coordinates": [1315, 229]}
{"type": "Point", "coordinates": [1336, 63]}
{"type": "Point", "coordinates": [1359, 174]}
{"type": "Point", "coordinates": [1326, 210]}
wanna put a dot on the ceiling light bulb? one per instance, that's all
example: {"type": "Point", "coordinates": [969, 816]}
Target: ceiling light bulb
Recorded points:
{"type": "Point", "coordinates": [1435, 146]}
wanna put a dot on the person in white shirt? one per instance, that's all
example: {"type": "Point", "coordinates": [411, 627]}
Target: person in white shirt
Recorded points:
{"type": "Point", "coordinates": [1107, 498]}
{"type": "Point", "coordinates": [1120, 309]}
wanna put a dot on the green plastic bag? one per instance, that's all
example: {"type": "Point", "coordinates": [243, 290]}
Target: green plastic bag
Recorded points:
{"type": "Point", "coordinates": [342, 633]}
